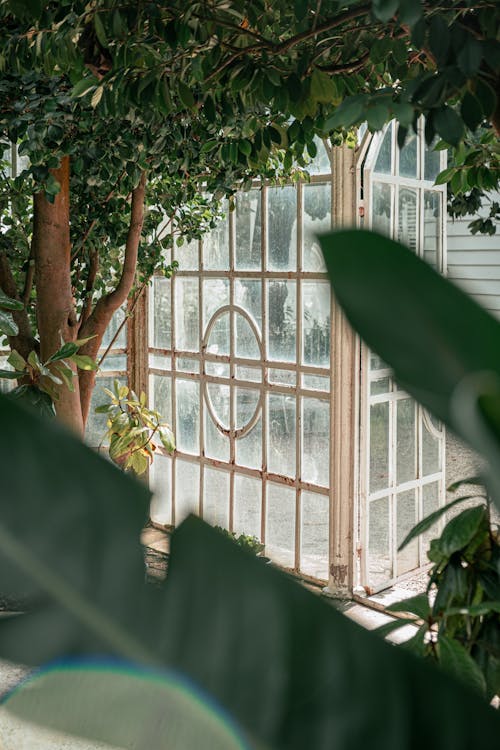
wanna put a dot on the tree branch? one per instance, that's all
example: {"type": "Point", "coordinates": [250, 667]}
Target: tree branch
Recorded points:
{"type": "Point", "coordinates": [98, 320]}
{"type": "Point", "coordinates": [285, 46]}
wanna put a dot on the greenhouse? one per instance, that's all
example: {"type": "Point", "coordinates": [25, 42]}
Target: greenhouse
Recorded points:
{"type": "Point", "coordinates": [287, 428]}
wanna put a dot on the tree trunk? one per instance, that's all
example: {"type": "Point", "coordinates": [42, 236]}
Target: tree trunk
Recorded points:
{"type": "Point", "coordinates": [55, 305]}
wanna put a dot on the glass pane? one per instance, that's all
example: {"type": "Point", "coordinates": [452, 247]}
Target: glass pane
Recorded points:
{"type": "Point", "coordinates": [430, 493]}
{"type": "Point", "coordinates": [321, 163]}
{"type": "Point", "coordinates": [161, 395]}
{"type": "Point", "coordinates": [114, 362]}
{"type": "Point", "coordinates": [247, 506]}
{"type": "Point", "coordinates": [216, 497]}
{"type": "Point", "coordinates": [380, 386]}
{"type": "Point", "coordinates": [379, 542]}
{"type": "Point", "coordinates": [96, 423]}
{"type": "Point", "coordinates": [376, 363]}
{"type": "Point", "coordinates": [188, 416]}
{"type": "Point", "coordinates": [406, 508]}
{"type": "Point", "coordinates": [186, 364]}
{"type": "Point", "coordinates": [160, 362]}
{"type": "Point", "coordinates": [316, 382]}
{"type": "Point", "coordinates": [161, 313]}
{"type": "Point", "coordinates": [316, 219]}
{"type": "Point", "coordinates": [215, 295]}
{"type": "Point", "coordinates": [160, 483]}
{"type": "Point", "coordinates": [219, 340]}
{"type": "Point", "coordinates": [283, 377]}
{"type": "Point", "coordinates": [316, 323]}
{"type": "Point", "coordinates": [187, 336]}
{"type": "Point", "coordinates": [249, 447]}
{"type": "Point", "coordinates": [247, 345]}
{"type": "Point", "coordinates": [216, 247]}
{"type": "Point", "coordinates": [383, 165]}
{"type": "Point", "coordinates": [280, 524]}
{"type": "Point", "coordinates": [432, 162]}
{"type": "Point", "coordinates": [187, 489]}
{"type": "Point", "coordinates": [407, 219]}
{"type": "Point", "coordinates": [382, 208]}
{"type": "Point", "coordinates": [248, 294]}
{"type": "Point", "coordinates": [315, 441]}
{"type": "Point", "coordinates": [431, 453]}
{"type": "Point", "coordinates": [432, 228]}
{"type": "Point", "coordinates": [315, 535]}
{"type": "Point", "coordinates": [247, 401]}
{"type": "Point", "coordinates": [188, 256]}
{"type": "Point", "coordinates": [408, 161]}
{"type": "Point", "coordinates": [281, 442]}
{"type": "Point", "coordinates": [216, 444]}
{"type": "Point", "coordinates": [254, 374]}
{"type": "Point", "coordinates": [282, 323]}
{"type": "Point", "coordinates": [218, 369]}
{"type": "Point", "coordinates": [219, 396]}
{"type": "Point", "coordinates": [116, 321]}
{"type": "Point", "coordinates": [248, 221]}
{"type": "Point", "coordinates": [379, 446]}
{"type": "Point", "coordinates": [282, 228]}
{"type": "Point", "coordinates": [406, 459]}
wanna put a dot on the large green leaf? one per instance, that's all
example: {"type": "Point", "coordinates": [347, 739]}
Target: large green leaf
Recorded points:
{"type": "Point", "coordinates": [69, 539]}
{"type": "Point", "coordinates": [7, 303]}
{"type": "Point", "coordinates": [8, 326]}
{"type": "Point", "coordinates": [295, 672]}
{"type": "Point", "coordinates": [432, 334]}
{"type": "Point", "coordinates": [291, 670]}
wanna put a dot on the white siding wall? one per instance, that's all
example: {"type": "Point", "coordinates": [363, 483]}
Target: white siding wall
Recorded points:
{"type": "Point", "coordinates": [474, 262]}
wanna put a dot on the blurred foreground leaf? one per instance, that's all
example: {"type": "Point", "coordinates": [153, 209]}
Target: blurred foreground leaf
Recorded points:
{"type": "Point", "coordinates": [433, 335]}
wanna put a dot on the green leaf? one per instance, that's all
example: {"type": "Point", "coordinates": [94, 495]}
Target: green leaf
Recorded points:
{"type": "Point", "coordinates": [468, 480]}
{"type": "Point", "coordinates": [8, 326]}
{"type": "Point", "coordinates": [448, 125]}
{"type": "Point", "coordinates": [103, 408]}
{"type": "Point", "coordinates": [7, 303]}
{"type": "Point", "coordinates": [67, 350]}
{"type": "Point", "coordinates": [11, 374]}
{"type": "Point", "coordinates": [83, 362]}
{"type": "Point", "coordinates": [16, 360]}
{"type": "Point", "coordinates": [167, 439]}
{"type": "Point", "coordinates": [35, 400]}
{"type": "Point", "coordinates": [384, 10]}
{"type": "Point", "coordinates": [66, 374]}
{"type": "Point", "coordinates": [429, 521]}
{"type": "Point", "coordinates": [99, 30]}
{"type": "Point", "coordinates": [445, 176]}
{"type": "Point", "coordinates": [323, 87]}
{"type": "Point", "coordinates": [457, 661]}
{"type": "Point", "coordinates": [377, 115]}
{"type": "Point", "coordinates": [348, 113]}
{"type": "Point", "coordinates": [96, 96]}
{"type": "Point", "coordinates": [458, 532]}
{"type": "Point", "coordinates": [426, 318]}
{"type": "Point", "coordinates": [476, 610]}
{"type": "Point", "coordinates": [185, 95]}
{"type": "Point", "coordinates": [416, 605]}
{"type": "Point", "coordinates": [299, 682]}
{"type": "Point", "coordinates": [34, 360]}
{"type": "Point", "coordinates": [469, 56]}
{"type": "Point", "coordinates": [83, 86]}
{"type": "Point", "coordinates": [410, 11]}
{"type": "Point", "coordinates": [471, 111]}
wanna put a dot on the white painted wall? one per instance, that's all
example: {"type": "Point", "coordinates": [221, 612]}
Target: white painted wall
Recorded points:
{"type": "Point", "coordinates": [474, 262]}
